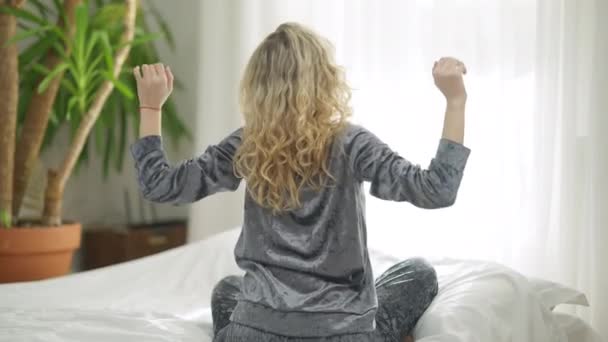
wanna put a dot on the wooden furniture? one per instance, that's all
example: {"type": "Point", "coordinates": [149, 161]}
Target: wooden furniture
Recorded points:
{"type": "Point", "coordinates": [104, 246]}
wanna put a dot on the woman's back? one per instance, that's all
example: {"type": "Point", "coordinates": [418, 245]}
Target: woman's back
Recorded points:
{"type": "Point", "coordinates": [311, 263]}
{"type": "Point", "coordinates": [311, 259]}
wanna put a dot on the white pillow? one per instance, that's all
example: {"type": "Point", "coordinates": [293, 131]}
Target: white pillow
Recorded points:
{"type": "Point", "coordinates": [552, 294]}
{"type": "Point", "coordinates": [479, 302]}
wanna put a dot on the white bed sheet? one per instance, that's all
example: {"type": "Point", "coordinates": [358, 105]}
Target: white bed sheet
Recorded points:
{"type": "Point", "coordinates": [576, 329]}
{"type": "Point", "coordinates": [166, 297]}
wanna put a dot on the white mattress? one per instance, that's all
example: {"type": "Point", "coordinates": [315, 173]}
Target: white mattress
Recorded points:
{"type": "Point", "coordinates": [166, 297]}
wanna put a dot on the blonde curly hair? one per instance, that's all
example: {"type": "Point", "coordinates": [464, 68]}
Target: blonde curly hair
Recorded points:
{"type": "Point", "coordinates": [294, 99]}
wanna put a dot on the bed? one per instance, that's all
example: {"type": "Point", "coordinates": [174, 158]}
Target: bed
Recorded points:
{"type": "Point", "coordinates": [165, 297]}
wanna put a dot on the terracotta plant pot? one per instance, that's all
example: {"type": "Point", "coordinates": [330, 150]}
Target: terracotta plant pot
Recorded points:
{"type": "Point", "coordinates": [38, 252]}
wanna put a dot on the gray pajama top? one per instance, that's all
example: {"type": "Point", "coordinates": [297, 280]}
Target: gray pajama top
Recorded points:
{"type": "Point", "coordinates": [307, 271]}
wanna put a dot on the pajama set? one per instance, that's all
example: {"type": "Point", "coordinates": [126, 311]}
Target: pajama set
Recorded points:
{"type": "Point", "coordinates": [308, 275]}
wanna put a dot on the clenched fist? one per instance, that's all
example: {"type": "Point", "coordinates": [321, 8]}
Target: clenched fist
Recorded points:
{"type": "Point", "coordinates": [154, 84]}
{"type": "Point", "coordinates": [447, 73]}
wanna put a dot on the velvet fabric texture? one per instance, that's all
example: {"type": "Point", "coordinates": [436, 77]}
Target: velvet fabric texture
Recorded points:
{"type": "Point", "coordinates": [404, 292]}
{"type": "Point", "coordinates": [310, 264]}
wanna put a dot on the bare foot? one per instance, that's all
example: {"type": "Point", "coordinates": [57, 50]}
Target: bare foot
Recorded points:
{"type": "Point", "coordinates": [408, 339]}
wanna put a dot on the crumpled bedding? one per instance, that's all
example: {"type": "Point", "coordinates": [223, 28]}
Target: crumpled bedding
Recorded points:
{"type": "Point", "coordinates": [166, 297]}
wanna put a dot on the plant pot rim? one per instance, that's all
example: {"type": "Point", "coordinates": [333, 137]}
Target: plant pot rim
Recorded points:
{"type": "Point", "coordinates": [38, 240]}
{"type": "Point", "coordinates": [37, 224]}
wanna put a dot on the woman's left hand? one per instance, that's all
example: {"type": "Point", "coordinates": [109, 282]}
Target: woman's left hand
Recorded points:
{"type": "Point", "coordinates": [448, 72]}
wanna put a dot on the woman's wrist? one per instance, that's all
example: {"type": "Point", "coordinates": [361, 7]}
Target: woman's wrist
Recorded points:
{"type": "Point", "coordinates": [150, 108]}
{"type": "Point", "coordinates": [456, 102]}
{"type": "Point", "coordinates": [150, 121]}
{"type": "Point", "coordinates": [453, 125]}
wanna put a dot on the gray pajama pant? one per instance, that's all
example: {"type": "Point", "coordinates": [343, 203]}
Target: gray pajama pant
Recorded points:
{"type": "Point", "coordinates": [404, 292]}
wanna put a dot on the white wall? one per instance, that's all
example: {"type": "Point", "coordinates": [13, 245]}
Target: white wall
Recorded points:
{"type": "Point", "coordinates": [218, 109]}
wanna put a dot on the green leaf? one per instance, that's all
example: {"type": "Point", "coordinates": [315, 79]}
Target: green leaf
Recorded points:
{"type": "Point", "coordinates": [43, 9]}
{"type": "Point", "coordinates": [75, 75]}
{"type": "Point", "coordinates": [124, 89]}
{"type": "Point", "coordinates": [138, 31]}
{"type": "Point", "coordinates": [82, 103]}
{"type": "Point", "coordinates": [59, 32]}
{"type": "Point", "coordinates": [179, 129]}
{"type": "Point", "coordinates": [62, 113]}
{"type": "Point", "coordinates": [109, 146]}
{"type": "Point", "coordinates": [24, 15]}
{"type": "Point", "coordinates": [93, 40]}
{"type": "Point", "coordinates": [27, 34]}
{"type": "Point", "coordinates": [120, 86]}
{"type": "Point", "coordinates": [92, 89]}
{"type": "Point", "coordinates": [34, 52]}
{"type": "Point", "coordinates": [5, 219]}
{"type": "Point", "coordinates": [59, 9]}
{"type": "Point", "coordinates": [69, 87]}
{"type": "Point", "coordinates": [110, 120]}
{"type": "Point", "coordinates": [82, 22]}
{"type": "Point", "coordinates": [60, 50]}
{"type": "Point", "coordinates": [83, 158]}
{"type": "Point", "coordinates": [99, 135]}
{"type": "Point", "coordinates": [162, 23]}
{"type": "Point", "coordinates": [108, 16]}
{"type": "Point", "coordinates": [93, 66]}
{"type": "Point", "coordinates": [99, 130]}
{"type": "Point", "coordinates": [44, 84]}
{"type": "Point", "coordinates": [74, 123]}
{"type": "Point", "coordinates": [173, 127]}
{"type": "Point", "coordinates": [23, 26]}
{"type": "Point", "coordinates": [57, 4]}
{"type": "Point", "coordinates": [60, 107]}
{"type": "Point", "coordinates": [122, 145]}
{"type": "Point", "coordinates": [131, 110]}
{"type": "Point", "coordinates": [107, 51]}
{"type": "Point", "coordinates": [73, 101]}
{"type": "Point", "coordinates": [39, 68]}
{"type": "Point", "coordinates": [26, 91]}
{"type": "Point", "coordinates": [141, 39]}
{"type": "Point", "coordinates": [53, 118]}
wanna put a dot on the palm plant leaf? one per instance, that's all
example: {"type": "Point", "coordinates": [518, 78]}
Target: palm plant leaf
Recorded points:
{"type": "Point", "coordinates": [98, 31]}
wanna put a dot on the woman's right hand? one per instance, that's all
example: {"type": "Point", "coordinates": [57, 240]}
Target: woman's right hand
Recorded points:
{"type": "Point", "coordinates": [447, 73]}
{"type": "Point", "coordinates": [154, 84]}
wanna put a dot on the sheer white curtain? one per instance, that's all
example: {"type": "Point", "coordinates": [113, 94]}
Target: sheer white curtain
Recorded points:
{"type": "Point", "coordinates": [535, 186]}
{"type": "Point", "coordinates": [568, 202]}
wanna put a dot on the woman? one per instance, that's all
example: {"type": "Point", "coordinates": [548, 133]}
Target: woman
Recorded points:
{"type": "Point", "coordinates": [303, 243]}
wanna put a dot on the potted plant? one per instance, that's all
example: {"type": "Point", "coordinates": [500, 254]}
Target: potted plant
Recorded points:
{"type": "Point", "coordinates": [65, 63]}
